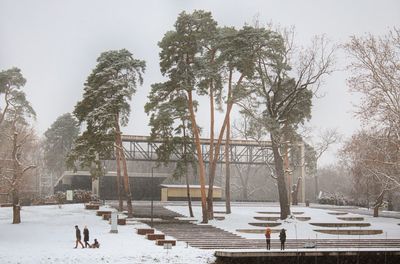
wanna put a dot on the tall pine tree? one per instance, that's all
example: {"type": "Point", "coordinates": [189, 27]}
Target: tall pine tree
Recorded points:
{"type": "Point", "coordinates": [105, 108]}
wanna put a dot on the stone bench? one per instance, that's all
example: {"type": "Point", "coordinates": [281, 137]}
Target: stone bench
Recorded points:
{"type": "Point", "coordinates": [106, 216]}
{"type": "Point", "coordinates": [121, 221]}
{"type": "Point", "coordinates": [303, 218]}
{"type": "Point", "coordinates": [337, 213]}
{"type": "Point", "coordinates": [145, 231]}
{"type": "Point", "coordinates": [6, 205]}
{"type": "Point", "coordinates": [155, 236]}
{"type": "Point", "coordinates": [341, 224]}
{"type": "Point", "coordinates": [265, 224]}
{"type": "Point", "coordinates": [349, 232]}
{"type": "Point", "coordinates": [351, 218]}
{"type": "Point", "coordinates": [101, 212]}
{"type": "Point", "coordinates": [161, 242]}
{"type": "Point", "coordinates": [92, 206]}
{"type": "Point", "coordinates": [267, 218]}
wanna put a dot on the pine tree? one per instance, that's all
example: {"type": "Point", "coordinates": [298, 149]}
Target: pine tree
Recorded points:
{"type": "Point", "coordinates": [104, 108]}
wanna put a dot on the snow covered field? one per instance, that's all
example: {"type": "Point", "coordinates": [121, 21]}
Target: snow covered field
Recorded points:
{"type": "Point", "coordinates": [47, 235]}
{"type": "Point", "coordinates": [241, 216]}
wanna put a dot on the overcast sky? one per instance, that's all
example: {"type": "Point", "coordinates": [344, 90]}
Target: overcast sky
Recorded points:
{"type": "Point", "coordinates": [55, 43]}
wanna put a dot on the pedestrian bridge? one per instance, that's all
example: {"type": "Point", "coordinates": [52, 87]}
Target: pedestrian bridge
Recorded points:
{"type": "Point", "coordinates": [143, 148]}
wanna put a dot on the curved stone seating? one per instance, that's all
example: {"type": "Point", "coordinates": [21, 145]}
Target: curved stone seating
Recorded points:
{"type": "Point", "coordinates": [219, 218]}
{"type": "Point", "coordinates": [337, 213]}
{"type": "Point", "coordinates": [341, 224]}
{"type": "Point", "coordinates": [350, 232]}
{"type": "Point", "coordinates": [265, 224]}
{"type": "Point", "coordinates": [267, 218]}
{"type": "Point", "coordinates": [256, 231]}
{"type": "Point", "coordinates": [278, 213]}
{"type": "Point", "coordinates": [351, 218]}
{"type": "Point", "coordinates": [303, 218]}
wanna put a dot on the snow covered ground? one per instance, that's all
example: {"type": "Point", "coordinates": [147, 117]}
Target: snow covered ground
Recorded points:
{"type": "Point", "coordinates": [242, 215]}
{"type": "Point", "coordinates": [47, 235]}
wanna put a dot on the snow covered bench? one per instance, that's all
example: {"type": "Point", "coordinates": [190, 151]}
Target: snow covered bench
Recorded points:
{"type": "Point", "coordinates": [102, 212]}
{"type": "Point", "coordinates": [145, 231]}
{"type": "Point", "coordinates": [161, 242]}
{"type": "Point", "coordinates": [121, 221]}
{"type": "Point", "coordinates": [155, 236]}
{"type": "Point", "coordinates": [92, 206]}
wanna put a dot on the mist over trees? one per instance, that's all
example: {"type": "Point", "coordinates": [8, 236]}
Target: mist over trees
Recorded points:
{"type": "Point", "coordinates": [258, 69]}
{"type": "Point", "coordinates": [372, 154]}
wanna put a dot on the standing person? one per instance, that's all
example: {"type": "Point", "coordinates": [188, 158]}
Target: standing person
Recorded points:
{"type": "Point", "coordinates": [282, 238]}
{"type": "Point", "coordinates": [78, 237]}
{"type": "Point", "coordinates": [86, 236]}
{"type": "Point", "coordinates": [268, 237]}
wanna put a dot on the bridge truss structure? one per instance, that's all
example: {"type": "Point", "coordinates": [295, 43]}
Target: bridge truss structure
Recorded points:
{"type": "Point", "coordinates": [141, 148]}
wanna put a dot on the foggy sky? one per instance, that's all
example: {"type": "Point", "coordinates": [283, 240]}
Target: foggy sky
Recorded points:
{"type": "Point", "coordinates": [55, 43]}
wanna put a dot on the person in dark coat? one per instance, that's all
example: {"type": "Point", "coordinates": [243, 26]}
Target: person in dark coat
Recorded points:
{"type": "Point", "coordinates": [86, 236]}
{"type": "Point", "coordinates": [78, 237]}
{"type": "Point", "coordinates": [282, 238]}
{"type": "Point", "coordinates": [268, 237]}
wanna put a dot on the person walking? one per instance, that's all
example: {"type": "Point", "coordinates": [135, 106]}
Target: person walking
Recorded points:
{"type": "Point", "coordinates": [86, 236]}
{"type": "Point", "coordinates": [282, 238]}
{"type": "Point", "coordinates": [78, 237]}
{"type": "Point", "coordinates": [268, 237]}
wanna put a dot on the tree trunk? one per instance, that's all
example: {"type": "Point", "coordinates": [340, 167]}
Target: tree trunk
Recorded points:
{"type": "Point", "coordinates": [280, 174]}
{"type": "Point", "coordinates": [227, 170]}
{"type": "Point", "coordinates": [118, 160]}
{"type": "Point", "coordinates": [127, 186]}
{"type": "Point", "coordinates": [295, 192]}
{"type": "Point", "coordinates": [16, 207]}
{"type": "Point", "coordinates": [199, 157]}
{"type": "Point", "coordinates": [15, 178]}
{"type": "Point", "coordinates": [189, 199]}
{"type": "Point", "coordinates": [213, 163]}
{"type": "Point", "coordinates": [378, 203]}
{"type": "Point", "coordinates": [286, 171]}
{"type": "Point", "coordinates": [210, 209]}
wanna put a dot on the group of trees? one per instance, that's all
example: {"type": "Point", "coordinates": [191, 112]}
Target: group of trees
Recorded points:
{"type": "Point", "coordinates": [254, 67]}
{"type": "Point", "coordinates": [373, 153]}
{"type": "Point", "coordinates": [257, 68]}
{"type": "Point", "coordinates": [18, 141]}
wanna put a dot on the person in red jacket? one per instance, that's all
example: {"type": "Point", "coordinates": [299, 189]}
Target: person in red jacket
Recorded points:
{"type": "Point", "coordinates": [268, 237]}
